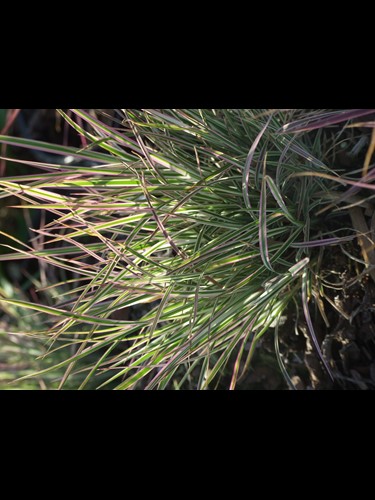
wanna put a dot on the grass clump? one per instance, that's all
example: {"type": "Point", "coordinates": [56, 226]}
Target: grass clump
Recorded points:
{"type": "Point", "coordinates": [204, 222]}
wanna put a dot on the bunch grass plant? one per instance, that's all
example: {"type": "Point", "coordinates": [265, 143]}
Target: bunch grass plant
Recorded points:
{"type": "Point", "coordinates": [178, 239]}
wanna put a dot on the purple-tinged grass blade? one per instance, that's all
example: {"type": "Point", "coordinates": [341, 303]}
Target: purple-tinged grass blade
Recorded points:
{"type": "Point", "coordinates": [368, 124]}
{"type": "Point", "coordinates": [236, 368]}
{"type": "Point", "coordinates": [323, 242]}
{"type": "Point", "coordinates": [246, 171]}
{"type": "Point", "coordinates": [56, 149]}
{"type": "Point", "coordinates": [11, 116]}
{"type": "Point", "coordinates": [263, 241]}
{"type": "Point", "coordinates": [279, 199]}
{"type": "Point", "coordinates": [299, 266]}
{"type": "Point", "coordinates": [109, 131]}
{"type": "Point", "coordinates": [306, 311]}
{"type": "Point", "coordinates": [321, 121]}
{"type": "Point", "coordinates": [357, 185]}
{"type": "Point", "coordinates": [280, 361]}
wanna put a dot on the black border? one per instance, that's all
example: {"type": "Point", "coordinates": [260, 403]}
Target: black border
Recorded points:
{"type": "Point", "coordinates": [265, 407]}
{"type": "Point", "coordinates": [198, 86]}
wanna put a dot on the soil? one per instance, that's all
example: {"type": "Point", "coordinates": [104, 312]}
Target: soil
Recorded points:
{"type": "Point", "coordinates": [347, 335]}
